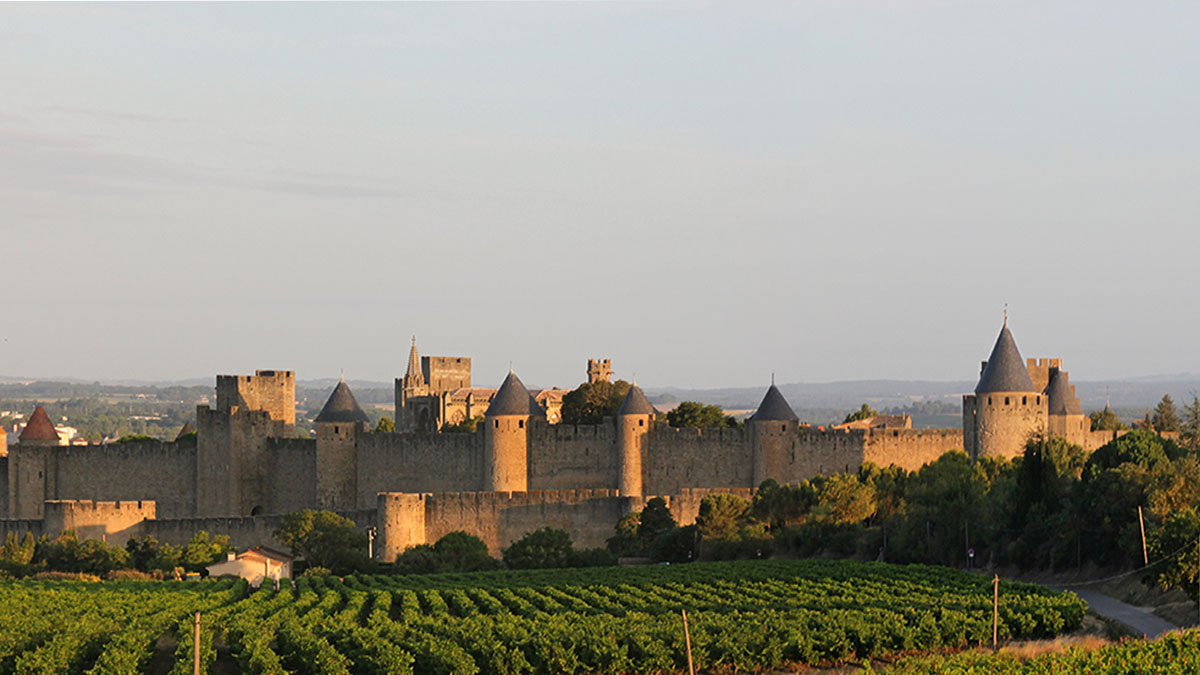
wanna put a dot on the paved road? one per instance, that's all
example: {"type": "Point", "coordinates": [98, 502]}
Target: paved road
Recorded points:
{"type": "Point", "coordinates": [1138, 620]}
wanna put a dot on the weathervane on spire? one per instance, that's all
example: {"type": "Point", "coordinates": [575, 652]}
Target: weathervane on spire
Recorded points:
{"type": "Point", "coordinates": [1006, 314]}
{"type": "Point", "coordinates": [343, 374]}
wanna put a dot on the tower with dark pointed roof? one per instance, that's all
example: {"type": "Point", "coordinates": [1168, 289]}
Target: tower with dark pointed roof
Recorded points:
{"type": "Point", "coordinates": [506, 437]}
{"type": "Point", "coordinates": [633, 423]}
{"type": "Point", "coordinates": [771, 429]}
{"type": "Point", "coordinates": [1066, 418]}
{"type": "Point", "coordinates": [339, 425]}
{"type": "Point", "coordinates": [1007, 409]}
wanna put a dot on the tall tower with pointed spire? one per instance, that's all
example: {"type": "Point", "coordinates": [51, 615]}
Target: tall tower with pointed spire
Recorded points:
{"type": "Point", "coordinates": [1007, 409]}
{"type": "Point", "coordinates": [633, 423]}
{"type": "Point", "coordinates": [339, 425]}
{"type": "Point", "coordinates": [771, 427]}
{"type": "Point", "coordinates": [506, 437]}
{"type": "Point", "coordinates": [409, 388]}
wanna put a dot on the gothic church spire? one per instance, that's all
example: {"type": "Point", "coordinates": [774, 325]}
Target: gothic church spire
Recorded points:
{"type": "Point", "coordinates": [413, 377]}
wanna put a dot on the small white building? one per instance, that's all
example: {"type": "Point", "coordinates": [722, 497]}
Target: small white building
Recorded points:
{"type": "Point", "coordinates": [255, 565]}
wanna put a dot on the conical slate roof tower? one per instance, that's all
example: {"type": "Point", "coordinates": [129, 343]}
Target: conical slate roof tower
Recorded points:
{"type": "Point", "coordinates": [1005, 370]}
{"type": "Point", "coordinates": [774, 408]}
{"type": "Point", "coordinates": [512, 399]}
{"type": "Point", "coordinates": [635, 403]}
{"type": "Point", "coordinates": [1062, 400]}
{"type": "Point", "coordinates": [342, 407]}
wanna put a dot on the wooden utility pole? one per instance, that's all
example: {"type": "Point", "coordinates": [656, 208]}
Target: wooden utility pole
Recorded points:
{"type": "Point", "coordinates": [196, 646]}
{"type": "Point", "coordinates": [1142, 524]}
{"type": "Point", "coordinates": [687, 643]}
{"type": "Point", "coordinates": [996, 613]}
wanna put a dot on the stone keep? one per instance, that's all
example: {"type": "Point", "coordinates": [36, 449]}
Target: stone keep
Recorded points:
{"type": "Point", "coordinates": [232, 464]}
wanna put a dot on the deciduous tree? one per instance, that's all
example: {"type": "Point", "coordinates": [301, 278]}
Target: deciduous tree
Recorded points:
{"type": "Point", "coordinates": [698, 416]}
{"type": "Point", "coordinates": [591, 402]}
{"type": "Point", "coordinates": [721, 515]}
{"type": "Point", "coordinates": [544, 548]}
{"type": "Point", "coordinates": [863, 413]}
{"type": "Point", "coordinates": [325, 539]}
{"type": "Point", "coordinates": [1106, 420]}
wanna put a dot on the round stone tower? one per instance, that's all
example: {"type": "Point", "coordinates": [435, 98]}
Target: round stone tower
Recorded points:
{"type": "Point", "coordinates": [771, 428]}
{"type": "Point", "coordinates": [339, 425]}
{"type": "Point", "coordinates": [1006, 409]}
{"type": "Point", "coordinates": [633, 423]}
{"type": "Point", "coordinates": [506, 437]}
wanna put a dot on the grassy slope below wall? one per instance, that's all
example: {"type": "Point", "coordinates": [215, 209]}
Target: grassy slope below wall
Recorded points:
{"type": "Point", "coordinates": [1174, 653]}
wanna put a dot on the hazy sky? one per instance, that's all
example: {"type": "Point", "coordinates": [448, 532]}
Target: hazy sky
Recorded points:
{"type": "Point", "coordinates": [705, 194]}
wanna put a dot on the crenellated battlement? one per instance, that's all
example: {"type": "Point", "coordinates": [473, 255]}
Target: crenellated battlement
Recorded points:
{"type": "Point", "coordinates": [114, 522]}
{"type": "Point", "coordinates": [572, 432]}
{"type": "Point", "coordinates": [271, 391]}
{"type": "Point", "coordinates": [1040, 371]}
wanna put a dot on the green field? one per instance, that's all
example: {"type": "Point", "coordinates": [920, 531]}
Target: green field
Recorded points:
{"type": "Point", "coordinates": [742, 615]}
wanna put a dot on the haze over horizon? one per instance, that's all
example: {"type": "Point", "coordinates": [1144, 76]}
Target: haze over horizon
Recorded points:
{"type": "Point", "coordinates": [704, 194]}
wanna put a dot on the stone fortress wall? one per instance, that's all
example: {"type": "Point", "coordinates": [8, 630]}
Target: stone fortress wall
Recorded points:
{"type": "Point", "coordinates": [499, 518]}
{"type": "Point", "coordinates": [245, 467]}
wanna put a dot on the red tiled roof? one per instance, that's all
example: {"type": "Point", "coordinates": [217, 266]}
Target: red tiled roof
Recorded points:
{"type": "Point", "coordinates": [39, 427]}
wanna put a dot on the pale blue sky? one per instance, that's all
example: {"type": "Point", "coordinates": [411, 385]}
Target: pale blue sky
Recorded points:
{"type": "Point", "coordinates": [705, 193]}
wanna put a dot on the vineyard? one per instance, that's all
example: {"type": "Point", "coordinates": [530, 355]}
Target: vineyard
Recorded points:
{"type": "Point", "coordinates": [745, 615]}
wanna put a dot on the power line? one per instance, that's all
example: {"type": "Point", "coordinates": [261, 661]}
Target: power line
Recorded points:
{"type": "Point", "coordinates": [1135, 571]}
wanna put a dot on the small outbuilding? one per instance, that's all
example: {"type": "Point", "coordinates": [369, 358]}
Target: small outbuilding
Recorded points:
{"type": "Point", "coordinates": [255, 565]}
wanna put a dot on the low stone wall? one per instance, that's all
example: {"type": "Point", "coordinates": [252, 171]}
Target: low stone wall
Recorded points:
{"type": "Point", "coordinates": [499, 518]}
{"type": "Point", "coordinates": [244, 532]}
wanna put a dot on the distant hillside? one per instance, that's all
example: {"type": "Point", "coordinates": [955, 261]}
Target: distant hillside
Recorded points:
{"type": "Point", "coordinates": [829, 402]}
{"type": "Point", "coordinates": [819, 403]}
